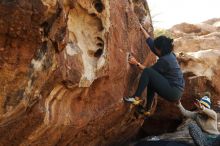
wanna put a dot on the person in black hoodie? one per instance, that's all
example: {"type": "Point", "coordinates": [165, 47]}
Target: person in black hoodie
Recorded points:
{"type": "Point", "coordinates": [164, 77]}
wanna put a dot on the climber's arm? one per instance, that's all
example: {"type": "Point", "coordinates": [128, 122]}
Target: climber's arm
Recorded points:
{"type": "Point", "coordinates": [144, 32]}
{"type": "Point", "coordinates": [210, 113]}
{"type": "Point", "coordinates": [141, 66]}
{"type": "Point", "coordinates": [150, 43]}
{"type": "Point", "coordinates": [185, 112]}
{"type": "Point", "coordinates": [149, 40]}
{"type": "Point", "coordinates": [133, 60]}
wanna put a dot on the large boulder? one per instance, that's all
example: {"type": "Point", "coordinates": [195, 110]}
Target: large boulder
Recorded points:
{"type": "Point", "coordinates": [187, 29]}
{"type": "Point", "coordinates": [64, 70]}
{"type": "Point", "coordinates": [196, 43]}
{"type": "Point", "coordinates": [214, 21]}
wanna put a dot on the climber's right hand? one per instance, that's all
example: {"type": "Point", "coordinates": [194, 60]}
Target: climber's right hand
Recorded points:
{"type": "Point", "coordinates": [144, 31]}
{"type": "Point", "coordinates": [142, 28]}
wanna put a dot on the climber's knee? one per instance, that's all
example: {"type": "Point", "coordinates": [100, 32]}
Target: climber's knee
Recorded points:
{"type": "Point", "coordinates": [148, 71]}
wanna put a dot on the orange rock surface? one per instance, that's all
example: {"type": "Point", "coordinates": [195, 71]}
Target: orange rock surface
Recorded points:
{"type": "Point", "coordinates": [64, 71]}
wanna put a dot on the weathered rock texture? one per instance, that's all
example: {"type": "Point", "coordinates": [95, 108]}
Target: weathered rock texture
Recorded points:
{"type": "Point", "coordinates": [64, 70]}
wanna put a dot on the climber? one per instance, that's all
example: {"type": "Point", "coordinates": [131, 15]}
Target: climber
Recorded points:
{"type": "Point", "coordinates": [205, 131]}
{"type": "Point", "coordinates": [164, 77]}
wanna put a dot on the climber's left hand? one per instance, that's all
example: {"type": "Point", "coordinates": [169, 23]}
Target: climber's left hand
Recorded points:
{"type": "Point", "coordinates": [132, 60]}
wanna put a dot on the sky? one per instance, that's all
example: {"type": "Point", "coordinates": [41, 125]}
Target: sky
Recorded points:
{"type": "Point", "coordinates": [166, 13]}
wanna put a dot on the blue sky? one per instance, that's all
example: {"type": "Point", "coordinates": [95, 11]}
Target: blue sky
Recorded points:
{"type": "Point", "coordinates": [167, 13]}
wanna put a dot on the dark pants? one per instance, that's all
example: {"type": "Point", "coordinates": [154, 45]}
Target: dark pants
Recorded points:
{"type": "Point", "coordinates": [155, 82]}
{"type": "Point", "coordinates": [201, 138]}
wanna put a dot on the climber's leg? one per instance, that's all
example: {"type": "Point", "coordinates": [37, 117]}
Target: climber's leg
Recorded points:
{"type": "Point", "coordinates": [159, 83]}
{"type": "Point", "coordinates": [150, 97]}
{"type": "Point", "coordinates": [143, 82]}
{"type": "Point", "coordinates": [197, 135]}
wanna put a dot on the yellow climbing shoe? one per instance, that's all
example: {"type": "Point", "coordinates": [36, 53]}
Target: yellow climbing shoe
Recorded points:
{"type": "Point", "coordinates": [132, 100]}
{"type": "Point", "coordinates": [143, 111]}
{"type": "Point", "coordinates": [146, 113]}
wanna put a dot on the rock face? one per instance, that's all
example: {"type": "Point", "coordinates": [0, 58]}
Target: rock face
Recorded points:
{"type": "Point", "coordinates": [64, 70]}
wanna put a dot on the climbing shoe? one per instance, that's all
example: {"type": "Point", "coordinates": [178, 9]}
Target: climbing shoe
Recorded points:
{"type": "Point", "coordinates": [141, 110]}
{"type": "Point", "coordinates": [132, 100]}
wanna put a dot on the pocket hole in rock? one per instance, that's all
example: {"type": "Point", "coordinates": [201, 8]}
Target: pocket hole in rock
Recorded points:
{"type": "Point", "coordinates": [93, 15]}
{"type": "Point", "coordinates": [99, 39]}
{"type": "Point", "coordinates": [98, 53]}
{"type": "Point", "coordinates": [98, 6]}
{"type": "Point", "coordinates": [46, 27]}
{"type": "Point", "coordinates": [100, 45]}
{"type": "Point", "coordinates": [101, 28]}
